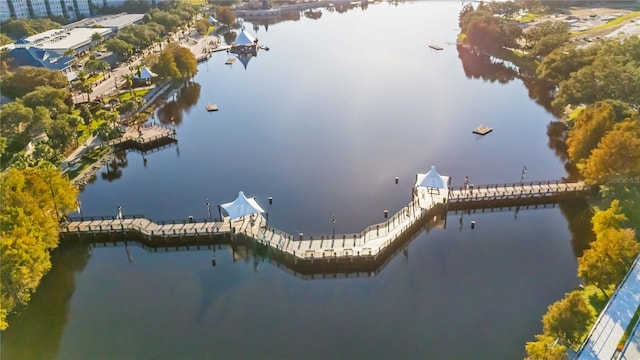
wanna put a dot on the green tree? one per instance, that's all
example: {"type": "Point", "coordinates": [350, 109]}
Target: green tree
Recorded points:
{"type": "Point", "coordinates": [59, 101]}
{"type": "Point", "coordinates": [4, 40]}
{"type": "Point", "coordinates": [13, 115]}
{"type": "Point", "coordinates": [562, 62]}
{"type": "Point", "coordinates": [568, 319]}
{"type": "Point", "coordinates": [85, 114]}
{"type": "Point", "coordinates": [27, 78]}
{"type": "Point", "coordinates": [128, 80]}
{"type": "Point", "coordinates": [545, 348]}
{"type": "Point", "coordinates": [32, 202]}
{"type": "Point", "coordinates": [18, 28]}
{"type": "Point", "coordinates": [62, 131]}
{"type": "Point", "coordinates": [608, 258]}
{"type": "Point", "coordinates": [96, 37]}
{"type": "Point", "coordinates": [617, 155]}
{"type": "Point", "coordinates": [122, 49]}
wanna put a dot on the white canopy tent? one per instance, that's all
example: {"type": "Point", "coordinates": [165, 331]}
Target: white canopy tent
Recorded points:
{"type": "Point", "coordinates": [242, 206]}
{"type": "Point", "coordinates": [244, 39]}
{"type": "Point", "coordinates": [432, 180]}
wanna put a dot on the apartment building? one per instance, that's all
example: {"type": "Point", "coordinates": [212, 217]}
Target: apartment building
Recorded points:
{"type": "Point", "coordinates": [70, 9]}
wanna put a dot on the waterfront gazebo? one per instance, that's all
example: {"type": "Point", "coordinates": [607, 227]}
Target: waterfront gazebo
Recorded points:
{"type": "Point", "coordinates": [432, 181]}
{"type": "Point", "coordinates": [241, 206]}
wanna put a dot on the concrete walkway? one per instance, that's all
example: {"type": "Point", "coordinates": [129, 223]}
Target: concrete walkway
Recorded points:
{"type": "Point", "coordinates": [602, 342]}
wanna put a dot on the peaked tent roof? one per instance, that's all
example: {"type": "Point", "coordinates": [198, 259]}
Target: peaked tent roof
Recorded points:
{"type": "Point", "coordinates": [432, 179]}
{"type": "Point", "coordinates": [244, 38]}
{"type": "Point", "coordinates": [242, 206]}
{"type": "Point", "coordinates": [145, 73]}
{"type": "Point", "coordinates": [244, 59]}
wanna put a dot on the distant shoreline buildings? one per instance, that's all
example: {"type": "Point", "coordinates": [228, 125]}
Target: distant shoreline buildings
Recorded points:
{"type": "Point", "coordinates": [69, 9]}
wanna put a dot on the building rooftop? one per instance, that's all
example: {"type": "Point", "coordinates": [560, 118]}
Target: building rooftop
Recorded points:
{"type": "Point", "coordinates": [117, 21]}
{"type": "Point", "coordinates": [67, 39]}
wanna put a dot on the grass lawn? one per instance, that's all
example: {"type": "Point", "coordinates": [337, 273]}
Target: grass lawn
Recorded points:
{"type": "Point", "coordinates": [89, 159]}
{"type": "Point", "coordinates": [126, 95]}
{"type": "Point", "coordinates": [84, 131]}
{"type": "Point", "coordinates": [610, 24]}
{"type": "Point", "coordinates": [95, 77]}
{"type": "Point", "coordinates": [528, 17]}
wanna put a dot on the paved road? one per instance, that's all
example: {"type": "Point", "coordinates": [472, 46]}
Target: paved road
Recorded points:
{"type": "Point", "coordinates": [611, 324]}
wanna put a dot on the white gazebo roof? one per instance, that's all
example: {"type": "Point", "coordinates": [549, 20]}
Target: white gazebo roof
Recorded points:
{"type": "Point", "coordinates": [432, 179]}
{"type": "Point", "coordinates": [242, 206]}
{"type": "Point", "coordinates": [244, 38]}
{"type": "Point", "coordinates": [145, 73]}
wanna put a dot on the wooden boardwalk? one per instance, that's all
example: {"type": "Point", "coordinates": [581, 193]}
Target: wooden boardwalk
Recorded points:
{"type": "Point", "coordinates": [145, 137]}
{"type": "Point", "coordinates": [369, 243]}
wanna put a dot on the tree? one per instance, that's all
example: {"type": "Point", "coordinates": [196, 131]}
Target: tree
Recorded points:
{"type": "Point", "coordinates": [85, 114]}
{"type": "Point", "coordinates": [27, 78]}
{"type": "Point", "coordinates": [59, 101]}
{"type": "Point", "coordinates": [14, 114]}
{"type": "Point", "coordinates": [62, 131]}
{"type": "Point", "coordinates": [96, 37]}
{"type": "Point", "coordinates": [558, 65]}
{"type": "Point", "coordinates": [590, 126]}
{"type": "Point", "coordinates": [608, 258]}
{"type": "Point", "coordinates": [612, 218]}
{"type": "Point", "coordinates": [568, 319]}
{"type": "Point", "coordinates": [225, 15]}
{"type": "Point", "coordinates": [185, 62]}
{"type": "Point", "coordinates": [83, 85]}
{"type": "Point", "coordinates": [4, 40]}
{"type": "Point", "coordinates": [128, 79]}
{"type": "Point", "coordinates": [617, 155]}
{"type": "Point", "coordinates": [166, 67]}
{"type": "Point", "coordinates": [32, 203]}
{"type": "Point", "coordinates": [122, 49]}
{"type": "Point", "coordinates": [202, 26]}
{"type": "Point", "coordinates": [546, 348]}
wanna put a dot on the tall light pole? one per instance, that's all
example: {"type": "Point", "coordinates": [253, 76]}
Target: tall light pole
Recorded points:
{"type": "Point", "coordinates": [524, 171]}
{"type": "Point", "coordinates": [333, 221]}
{"type": "Point", "coordinates": [209, 209]}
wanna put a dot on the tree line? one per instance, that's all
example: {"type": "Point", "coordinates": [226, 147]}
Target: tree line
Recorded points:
{"type": "Point", "coordinates": [596, 88]}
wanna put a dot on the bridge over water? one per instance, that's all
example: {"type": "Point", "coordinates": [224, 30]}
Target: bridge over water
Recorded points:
{"type": "Point", "coordinates": [370, 245]}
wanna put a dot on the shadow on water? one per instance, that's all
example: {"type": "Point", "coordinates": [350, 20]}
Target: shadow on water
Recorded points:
{"type": "Point", "coordinates": [46, 316]}
{"type": "Point", "coordinates": [113, 170]}
{"type": "Point", "coordinates": [173, 110]}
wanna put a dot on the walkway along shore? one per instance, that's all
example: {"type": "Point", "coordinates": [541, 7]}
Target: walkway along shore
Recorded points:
{"type": "Point", "coordinates": [425, 210]}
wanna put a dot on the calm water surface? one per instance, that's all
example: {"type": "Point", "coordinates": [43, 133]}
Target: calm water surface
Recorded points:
{"type": "Point", "coordinates": [322, 122]}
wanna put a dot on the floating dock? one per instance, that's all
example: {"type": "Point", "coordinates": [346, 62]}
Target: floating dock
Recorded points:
{"type": "Point", "coordinates": [211, 107]}
{"type": "Point", "coordinates": [435, 47]}
{"type": "Point", "coordinates": [482, 130]}
{"type": "Point", "coordinates": [230, 61]}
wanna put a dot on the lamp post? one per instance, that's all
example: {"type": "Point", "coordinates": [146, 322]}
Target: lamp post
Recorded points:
{"type": "Point", "coordinates": [333, 222]}
{"type": "Point", "coordinates": [524, 171]}
{"type": "Point", "coordinates": [209, 209]}
{"type": "Point", "coordinates": [79, 208]}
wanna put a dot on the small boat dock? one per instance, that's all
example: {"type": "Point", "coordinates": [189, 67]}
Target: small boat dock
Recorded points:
{"type": "Point", "coordinates": [211, 107]}
{"type": "Point", "coordinates": [230, 61]}
{"type": "Point", "coordinates": [482, 130]}
{"type": "Point", "coordinates": [435, 47]}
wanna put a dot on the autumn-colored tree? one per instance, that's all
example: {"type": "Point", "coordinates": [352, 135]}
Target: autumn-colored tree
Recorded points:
{"type": "Point", "coordinates": [589, 127]}
{"type": "Point", "coordinates": [32, 202]}
{"type": "Point", "coordinates": [568, 319]}
{"type": "Point", "coordinates": [611, 218]}
{"type": "Point", "coordinates": [617, 157]}
{"type": "Point", "coordinates": [608, 258]}
{"type": "Point", "coordinates": [546, 348]}
{"type": "Point", "coordinates": [185, 62]}
{"type": "Point", "coordinates": [225, 15]}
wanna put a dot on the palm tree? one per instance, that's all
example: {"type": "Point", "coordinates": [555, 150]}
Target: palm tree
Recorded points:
{"type": "Point", "coordinates": [128, 79]}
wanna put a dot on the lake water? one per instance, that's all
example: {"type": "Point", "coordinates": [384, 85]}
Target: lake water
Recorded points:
{"type": "Point", "coordinates": [322, 122]}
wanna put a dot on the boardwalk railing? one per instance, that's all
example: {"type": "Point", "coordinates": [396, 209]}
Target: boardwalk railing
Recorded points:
{"type": "Point", "coordinates": [372, 241]}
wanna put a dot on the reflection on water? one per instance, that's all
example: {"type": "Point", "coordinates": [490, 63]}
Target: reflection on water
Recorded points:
{"type": "Point", "coordinates": [173, 111]}
{"type": "Point", "coordinates": [36, 332]}
{"type": "Point", "coordinates": [323, 125]}
{"type": "Point", "coordinates": [479, 66]}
